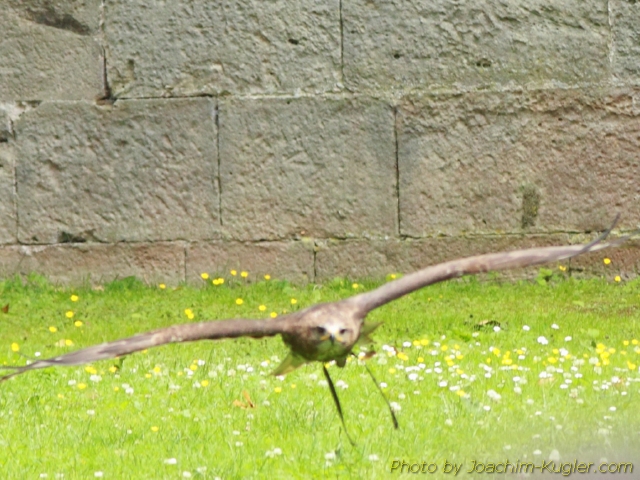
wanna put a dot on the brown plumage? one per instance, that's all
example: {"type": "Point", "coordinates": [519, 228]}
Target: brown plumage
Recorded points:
{"type": "Point", "coordinates": [322, 332]}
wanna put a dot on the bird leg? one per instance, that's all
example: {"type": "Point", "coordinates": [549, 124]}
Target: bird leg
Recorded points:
{"type": "Point", "coordinates": [393, 414]}
{"type": "Point", "coordinates": [334, 395]}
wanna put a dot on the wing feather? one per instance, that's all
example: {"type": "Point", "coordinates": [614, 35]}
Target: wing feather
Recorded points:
{"type": "Point", "coordinates": [189, 332]}
{"type": "Point", "coordinates": [473, 265]}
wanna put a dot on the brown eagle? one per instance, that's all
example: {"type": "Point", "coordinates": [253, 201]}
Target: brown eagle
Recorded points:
{"type": "Point", "coordinates": [326, 331]}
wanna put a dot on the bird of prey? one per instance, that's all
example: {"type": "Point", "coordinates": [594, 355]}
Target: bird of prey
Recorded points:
{"type": "Point", "coordinates": [326, 331]}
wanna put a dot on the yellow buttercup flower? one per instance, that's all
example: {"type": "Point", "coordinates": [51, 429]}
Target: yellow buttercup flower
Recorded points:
{"type": "Point", "coordinates": [244, 274]}
{"type": "Point", "coordinates": [69, 314]}
{"type": "Point", "coordinates": [273, 314]}
{"type": "Point", "coordinates": [267, 277]}
{"type": "Point", "coordinates": [239, 301]}
{"type": "Point", "coordinates": [204, 276]}
{"type": "Point", "coordinates": [53, 329]}
{"type": "Point", "coordinates": [162, 286]}
{"type": "Point", "coordinates": [74, 298]}
{"type": "Point", "coordinates": [607, 261]}
{"type": "Point", "coordinates": [77, 323]}
{"type": "Point", "coordinates": [262, 308]}
{"type": "Point", "coordinates": [233, 272]}
{"type": "Point", "coordinates": [15, 347]}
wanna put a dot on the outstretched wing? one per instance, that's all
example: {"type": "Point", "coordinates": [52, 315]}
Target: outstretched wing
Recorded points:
{"type": "Point", "coordinates": [472, 265]}
{"type": "Point", "coordinates": [188, 332]}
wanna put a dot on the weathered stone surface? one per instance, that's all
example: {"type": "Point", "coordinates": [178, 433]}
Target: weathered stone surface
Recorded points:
{"type": "Point", "coordinates": [137, 171]}
{"type": "Point", "coordinates": [50, 51]}
{"type": "Point", "coordinates": [246, 46]}
{"type": "Point", "coordinates": [376, 259]}
{"type": "Point", "coordinates": [307, 167]}
{"type": "Point", "coordinates": [284, 260]}
{"type": "Point", "coordinates": [97, 263]}
{"type": "Point", "coordinates": [625, 18]}
{"type": "Point", "coordinates": [440, 44]}
{"type": "Point", "coordinates": [8, 219]}
{"type": "Point", "coordinates": [541, 162]}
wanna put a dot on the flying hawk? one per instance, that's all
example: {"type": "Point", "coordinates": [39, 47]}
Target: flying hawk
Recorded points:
{"type": "Point", "coordinates": [323, 332]}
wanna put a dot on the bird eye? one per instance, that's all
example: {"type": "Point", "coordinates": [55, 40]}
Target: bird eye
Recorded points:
{"type": "Point", "coordinates": [343, 331]}
{"type": "Point", "coordinates": [321, 330]}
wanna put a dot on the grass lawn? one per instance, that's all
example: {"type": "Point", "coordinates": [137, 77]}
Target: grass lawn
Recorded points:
{"type": "Point", "coordinates": [477, 371]}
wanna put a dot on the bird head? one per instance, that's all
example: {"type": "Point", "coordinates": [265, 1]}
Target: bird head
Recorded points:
{"type": "Point", "coordinates": [335, 333]}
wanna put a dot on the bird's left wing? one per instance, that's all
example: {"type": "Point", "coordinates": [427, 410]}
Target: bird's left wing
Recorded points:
{"type": "Point", "coordinates": [473, 265]}
{"type": "Point", "coordinates": [188, 332]}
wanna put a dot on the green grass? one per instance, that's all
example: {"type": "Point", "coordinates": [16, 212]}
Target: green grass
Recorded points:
{"type": "Point", "coordinates": [50, 424]}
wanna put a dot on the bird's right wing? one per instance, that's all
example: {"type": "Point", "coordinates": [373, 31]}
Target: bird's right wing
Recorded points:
{"type": "Point", "coordinates": [473, 265]}
{"type": "Point", "coordinates": [188, 332]}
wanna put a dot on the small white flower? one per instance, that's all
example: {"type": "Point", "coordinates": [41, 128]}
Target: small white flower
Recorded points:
{"type": "Point", "coordinates": [413, 377]}
{"type": "Point", "coordinates": [493, 395]}
{"type": "Point", "coordinates": [170, 461]}
{"type": "Point", "coordinates": [95, 378]}
{"type": "Point", "coordinates": [612, 409]}
{"type": "Point", "coordinates": [98, 474]}
{"type": "Point", "coordinates": [186, 474]}
{"type": "Point", "coordinates": [496, 329]}
{"type": "Point", "coordinates": [526, 328]}
{"type": "Point", "coordinates": [395, 406]}
{"type": "Point", "coordinates": [542, 340]}
{"type": "Point", "coordinates": [37, 354]}
{"type": "Point", "coordinates": [555, 326]}
{"type": "Point", "coordinates": [448, 422]}
{"type": "Point", "coordinates": [239, 444]}
{"type": "Point", "coordinates": [91, 412]}
{"type": "Point", "coordinates": [486, 408]}
{"type": "Point", "coordinates": [406, 344]}
{"type": "Point", "coordinates": [537, 452]}
{"type": "Point", "coordinates": [373, 457]}
{"type": "Point", "coordinates": [443, 384]}
{"type": "Point", "coordinates": [330, 456]}
{"type": "Point", "coordinates": [383, 385]}
{"type": "Point", "coordinates": [71, 382]}
{"type": "Point", "coordinates": [568, 338]}
{"type": "Point", "coordinates": [554, 456]}
{"type": "Point", "coordinates": [342, 384]}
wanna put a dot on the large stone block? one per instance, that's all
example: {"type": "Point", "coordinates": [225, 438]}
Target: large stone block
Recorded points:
{"type": "Point", "coordinates": [248, 46]}
{"type": "Point", "coordinates": [625, 19]}
{"type": "Point", "coordinates": [357, 259]}
{"type": "Point", "coordinates": [50, 50]}
{"type": "Point", "coordinates": [316, 167]}
{"type": "Point", "coordinates": [513, 162]}
{"type": "Point", "coordinates": [456, 45]}
{"type": "Point", "coordinates": [96, 263]}
{"type": "Point", "coordinates": [136, 171]}
{"type": "Point", "coordinates": [291, 260]}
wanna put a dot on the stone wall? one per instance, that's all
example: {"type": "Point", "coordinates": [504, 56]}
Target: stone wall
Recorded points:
{"type": "Point", "coordinates": [310, 139]}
